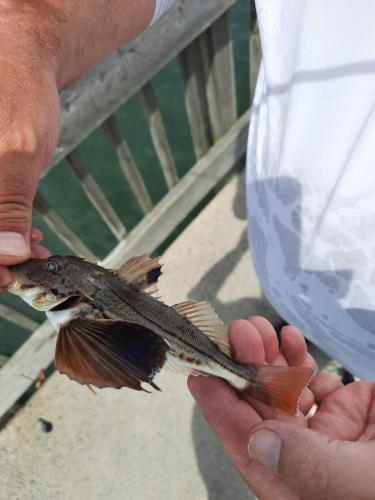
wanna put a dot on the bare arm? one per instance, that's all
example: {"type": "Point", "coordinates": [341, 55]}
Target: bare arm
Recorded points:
{"type": "Point", "coordinates": [69, 35]}
{"type": "Point", "coordinates": [44, 45]}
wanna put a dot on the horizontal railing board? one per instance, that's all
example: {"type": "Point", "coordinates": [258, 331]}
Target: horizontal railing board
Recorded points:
{"type": "Point", "coordinates": [37, 352]}
{"type": "Point", "coordinates": [22, 369]}
{"type": "Point", "coordinates": [95, 96]}
{"type": "Point", "coordinates": [18, 318]}
{"type": "Point", "coordinates": [3, 359]}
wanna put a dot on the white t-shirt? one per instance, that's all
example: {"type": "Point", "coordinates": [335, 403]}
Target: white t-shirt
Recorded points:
{"type": "Point", "coordinates": [311, 172]}
{"type": "Point", "coordinates": [160, 7]}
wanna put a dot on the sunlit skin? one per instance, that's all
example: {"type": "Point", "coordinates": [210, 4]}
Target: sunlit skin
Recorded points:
{"type": "Point", "coordinates": [330, 455]}
{"type": "Point", "coordinates": [38, 251]}
{"type": "Point", "coordinates": [55, 41]}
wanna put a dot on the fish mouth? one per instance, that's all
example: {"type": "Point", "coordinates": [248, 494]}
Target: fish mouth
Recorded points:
{"type": "Point", "coordinates": [36, 296]}
{"type": "Point", "coordinates": [39, 294]}
{"type": "Point", "coordinates": [45, 301]}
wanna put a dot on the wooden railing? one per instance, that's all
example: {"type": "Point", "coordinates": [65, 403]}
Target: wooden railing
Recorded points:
{"type": "Point", "coordinates": [198, 34]}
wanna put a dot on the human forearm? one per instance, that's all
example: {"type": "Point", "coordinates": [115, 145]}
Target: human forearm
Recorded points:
{"type": "Point", "coordinates": [69, 36]}
{"type": "Point", "coordinates": [44, 45]}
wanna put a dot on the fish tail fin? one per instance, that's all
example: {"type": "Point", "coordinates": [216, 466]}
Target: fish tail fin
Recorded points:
{"type": "Point", "coordinates": [280, 386]}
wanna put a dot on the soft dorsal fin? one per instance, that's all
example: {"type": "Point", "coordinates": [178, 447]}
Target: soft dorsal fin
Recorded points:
{"type": "Point", "coordinates": [203, 316]}
{"type": "Point", "coordinates": [142, 271]}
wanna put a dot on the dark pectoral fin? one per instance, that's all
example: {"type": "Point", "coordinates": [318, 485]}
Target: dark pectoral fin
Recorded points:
{"type": "Point", "coordinates": [107, 353]}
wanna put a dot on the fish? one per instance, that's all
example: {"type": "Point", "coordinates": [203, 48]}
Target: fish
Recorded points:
{"type": "Point", "coordinates": [113, 331]}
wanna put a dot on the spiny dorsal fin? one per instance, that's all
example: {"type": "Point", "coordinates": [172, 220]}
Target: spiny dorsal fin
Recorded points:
{"type": "Point", "coordinates": [142, 271]}
{"type": "Point", "coordinates": [203, 316]}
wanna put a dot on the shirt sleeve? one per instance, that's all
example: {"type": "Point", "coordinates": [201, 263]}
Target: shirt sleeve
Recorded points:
{"type": "Point", "coordinates": [161, 6]}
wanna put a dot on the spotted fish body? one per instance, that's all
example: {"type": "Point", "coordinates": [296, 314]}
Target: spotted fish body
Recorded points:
{"type": "Point", "coordinates": [113, 332]}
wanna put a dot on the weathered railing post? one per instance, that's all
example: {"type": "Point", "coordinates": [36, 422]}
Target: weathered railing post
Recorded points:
{"type": "Point", "coordinates": [96, 195]}
{"type": "Point", "coordinates": [193, 74]}
{"type": "Point", "coordinates": [58, 225]}
{"type": "Point", "coordinates": [158, 134]}
{"type": "Point", "coordinates": [255, 50]}
{"type": "Point", "coordinates": [127, 163]}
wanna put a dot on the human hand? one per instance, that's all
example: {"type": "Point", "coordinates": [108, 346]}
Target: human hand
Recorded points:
{"type": "Point", "coordinates": [44, 46]}
{"type": "Point", "coordinates": [29, 129]}
{"type": "Point", "coordinates": [36, 251]}
{"type": "Point", "coordinates": [329, 455]}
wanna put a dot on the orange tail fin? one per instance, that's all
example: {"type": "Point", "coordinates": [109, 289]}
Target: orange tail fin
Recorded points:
{"type": "Point", "coordinates": [280, 386]}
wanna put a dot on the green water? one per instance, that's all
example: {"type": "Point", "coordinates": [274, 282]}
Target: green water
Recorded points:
{"type": "Point", "coordinates": [63, 191]}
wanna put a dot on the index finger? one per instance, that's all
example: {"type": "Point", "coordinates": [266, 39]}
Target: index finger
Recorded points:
{"type": "Point", "coordinates": [294, 349]}
{"type": "Point", "coordinates": [269, 337]}
{"type": "Point", "coordinates": [246, 342]}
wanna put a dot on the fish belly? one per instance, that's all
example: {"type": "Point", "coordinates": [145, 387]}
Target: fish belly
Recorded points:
{"type": "Point", "coordinates": [64, 316]}
{"type": "Point", "coordinates": [60, 318]}
{"type": "Point", "coordinates": [208, 368]}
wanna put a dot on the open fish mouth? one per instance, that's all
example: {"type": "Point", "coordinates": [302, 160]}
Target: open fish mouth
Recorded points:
{"type": "Point", "coordinates": [35, 296]}
{"type": "Point", "coordinates": [45, 301]}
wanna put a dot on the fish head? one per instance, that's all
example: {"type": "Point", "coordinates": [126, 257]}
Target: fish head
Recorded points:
{"type": "Point", "coordinates": [46, 283]}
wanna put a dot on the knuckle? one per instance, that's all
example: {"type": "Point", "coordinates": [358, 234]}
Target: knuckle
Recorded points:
{"type": "Point", "coordinates": [30, 135]}
{"type": "Point", "coordinates": [15, 212]}
{"type": "Point", "coordinates": [19, 141]}
{"type": "Point", "coordinates": [26, 147]}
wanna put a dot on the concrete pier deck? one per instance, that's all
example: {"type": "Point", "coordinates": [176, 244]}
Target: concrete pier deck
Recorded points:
{"type": "Point", "coordinates": [133, 446]}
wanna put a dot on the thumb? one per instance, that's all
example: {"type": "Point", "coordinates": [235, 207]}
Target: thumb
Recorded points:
{"type": "Point", "coordinates": [313, 465]}
{"type": "Point", "coordinates": [29, 130]}
{"type": "Point", "coordinates": [19, 175]}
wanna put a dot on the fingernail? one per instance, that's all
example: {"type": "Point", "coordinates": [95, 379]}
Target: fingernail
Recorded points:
{"type": "Point", "coordinates": [13, 244]}
{"type": "Point", "coordinates": [264, 447]}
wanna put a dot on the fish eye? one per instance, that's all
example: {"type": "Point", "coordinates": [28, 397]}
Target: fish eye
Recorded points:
{"type": "Point", "coordinates": [52, 267]}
